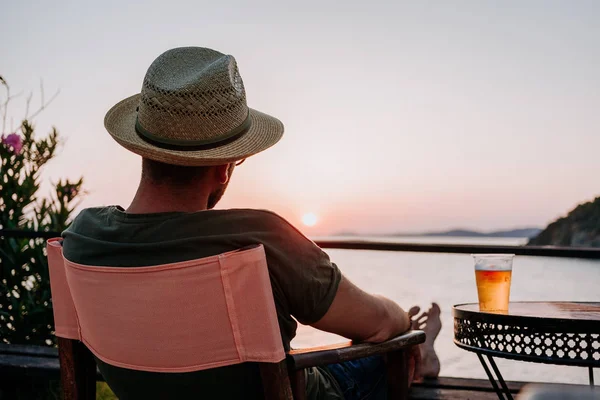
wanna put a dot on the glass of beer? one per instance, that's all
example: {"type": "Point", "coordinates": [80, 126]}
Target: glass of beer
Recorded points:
{"type": "Point", "coordinates": [493, 274]}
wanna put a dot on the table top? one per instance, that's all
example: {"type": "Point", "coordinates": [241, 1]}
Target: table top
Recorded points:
{"type": "Point", "coordinates": [561, 310]}
{"type": "Point", "coordinates": [562, 332]}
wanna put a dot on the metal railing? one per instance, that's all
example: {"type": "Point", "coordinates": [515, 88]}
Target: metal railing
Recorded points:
{"type": "Point", "coordinates": [539, 251]}
{"type": "Point", "coordinates": [21, 234]}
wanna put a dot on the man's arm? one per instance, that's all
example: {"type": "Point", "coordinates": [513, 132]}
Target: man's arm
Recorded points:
{"type": "Point", "coordinates": [361, 316]}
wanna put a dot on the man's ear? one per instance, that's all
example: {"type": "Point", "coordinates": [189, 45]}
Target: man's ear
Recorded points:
{"type": "Point", "coordinates": [223, 173]}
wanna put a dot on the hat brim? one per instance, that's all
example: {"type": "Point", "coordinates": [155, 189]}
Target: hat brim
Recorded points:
{"type": "Point", "coordinates": [264, 132]}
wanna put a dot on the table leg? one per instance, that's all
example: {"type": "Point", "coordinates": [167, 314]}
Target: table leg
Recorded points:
{"type": "Point", "coordinates": [591, 376]}
{"type": "Point", "coordinates": [499, 375]}
{"type": "Point", "coordinates": [498, 391]}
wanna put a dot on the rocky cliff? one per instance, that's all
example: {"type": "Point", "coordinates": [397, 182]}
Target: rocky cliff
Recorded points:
{"type": "Point", "coordinates": [580, 228]}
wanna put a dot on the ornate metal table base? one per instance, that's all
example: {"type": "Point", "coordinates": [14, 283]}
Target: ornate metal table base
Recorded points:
{"type": "Point", "coordinates": [553, 333]}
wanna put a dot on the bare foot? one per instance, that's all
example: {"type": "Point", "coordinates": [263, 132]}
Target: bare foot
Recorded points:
{"type": "Point", "coordinates": [429, 322]}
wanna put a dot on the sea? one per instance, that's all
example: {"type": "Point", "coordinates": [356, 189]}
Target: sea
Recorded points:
{"type": "Point", "coordinates": [412, 278]}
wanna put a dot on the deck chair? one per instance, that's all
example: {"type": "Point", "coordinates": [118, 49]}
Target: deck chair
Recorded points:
{"type": "Point", "coordinates": [97, 312]}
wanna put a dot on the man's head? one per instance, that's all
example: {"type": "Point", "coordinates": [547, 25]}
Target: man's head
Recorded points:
{"type": "Point", "coordinates": [177, 178]}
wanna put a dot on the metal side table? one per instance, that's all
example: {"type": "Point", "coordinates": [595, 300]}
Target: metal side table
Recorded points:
{"type": "Point", "coordinates": [562, 333]}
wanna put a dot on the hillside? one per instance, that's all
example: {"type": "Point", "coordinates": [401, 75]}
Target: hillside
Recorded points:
{"type": "Point", "coordinates": [580, 228]}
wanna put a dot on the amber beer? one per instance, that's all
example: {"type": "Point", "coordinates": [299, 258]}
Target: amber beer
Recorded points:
{"type": "Point", "coordinates": [493, 275]}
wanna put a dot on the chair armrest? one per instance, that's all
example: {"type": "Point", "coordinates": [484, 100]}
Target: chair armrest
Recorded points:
{"type": "Point", "coordinates": [317, 356]}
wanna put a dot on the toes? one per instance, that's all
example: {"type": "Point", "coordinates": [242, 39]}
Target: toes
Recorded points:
{"type": "Point", "coordinates": [414, 311]}
{"type": "Point", "coordinates": [422, 318]}
{"type": "Point", "coordinates": [435, 309]}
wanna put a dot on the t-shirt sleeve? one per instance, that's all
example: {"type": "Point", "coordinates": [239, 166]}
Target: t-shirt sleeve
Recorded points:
{"type": "Point", "coordinates": [304, 274]}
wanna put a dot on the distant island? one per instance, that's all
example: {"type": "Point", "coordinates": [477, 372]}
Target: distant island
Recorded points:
{"type": "Point", "coordinates": [580, 228]}
{"type": "Point", "coordinates": [512, 233]}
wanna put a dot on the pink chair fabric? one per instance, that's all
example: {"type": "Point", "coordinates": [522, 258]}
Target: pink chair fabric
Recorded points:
{"type": "Point", "coordinates": [179, 317]}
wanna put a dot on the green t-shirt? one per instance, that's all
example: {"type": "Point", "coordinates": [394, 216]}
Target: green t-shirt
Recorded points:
{"type": "Point", "coordinates": [303, 279]}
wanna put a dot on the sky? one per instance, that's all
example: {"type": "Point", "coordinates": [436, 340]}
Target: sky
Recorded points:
{"type": "Point", "coordinates": [399, 116]}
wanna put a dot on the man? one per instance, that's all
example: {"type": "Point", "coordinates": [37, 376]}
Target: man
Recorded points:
{"type": "Point", "coordinates": [191, 125]}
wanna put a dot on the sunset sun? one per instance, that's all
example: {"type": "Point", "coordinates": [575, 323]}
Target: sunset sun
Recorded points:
{"type": "Point", "coordinates": [310, 219]}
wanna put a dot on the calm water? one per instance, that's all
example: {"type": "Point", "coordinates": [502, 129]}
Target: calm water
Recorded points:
{"type": "Point", "coordinates": [419, 278]}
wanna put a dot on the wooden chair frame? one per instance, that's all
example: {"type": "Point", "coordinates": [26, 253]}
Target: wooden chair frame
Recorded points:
{"type": "Point", "coordinates": [280, 381]}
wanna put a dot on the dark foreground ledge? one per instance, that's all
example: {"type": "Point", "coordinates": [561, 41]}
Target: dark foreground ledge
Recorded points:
{"type": "Point", "coordinates": [458, 388]}
{"type": "Point", "coordinates": [22, 364]}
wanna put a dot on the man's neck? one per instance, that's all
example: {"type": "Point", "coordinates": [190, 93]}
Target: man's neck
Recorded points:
{"type": "Point", "coordinates": [156, 199]}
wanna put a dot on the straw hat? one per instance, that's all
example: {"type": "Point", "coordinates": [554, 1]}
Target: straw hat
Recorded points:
{"type": "Point", "coordinates": [192, 111]}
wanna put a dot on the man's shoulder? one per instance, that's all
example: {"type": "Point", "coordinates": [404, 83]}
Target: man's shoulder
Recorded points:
{"type": "Point", "coordinates": [256, 214]}
{"type": "Point", "coordinates": [111, 222]}
{"type": "Point", "coordinates": [262, 219]}
{"type": "Point", "coordinates": [89, 216]}
{"type": "Point", "coordinates": [96, 211]}
{"type": "Point", "coordinates": [242, 217]}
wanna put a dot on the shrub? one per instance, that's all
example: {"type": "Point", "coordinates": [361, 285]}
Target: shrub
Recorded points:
{"type": "Point", "coordinates": [25, 304]}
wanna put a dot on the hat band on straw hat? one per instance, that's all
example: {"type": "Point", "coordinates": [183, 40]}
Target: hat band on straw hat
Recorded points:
{"type": "Point", "coordinates": [192, 145]}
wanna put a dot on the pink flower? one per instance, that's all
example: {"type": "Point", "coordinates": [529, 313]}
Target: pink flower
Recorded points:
{"type": "Point", "coordinates": [71, 190]}
{"type": "Point", "coordinates": [14, 141]}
